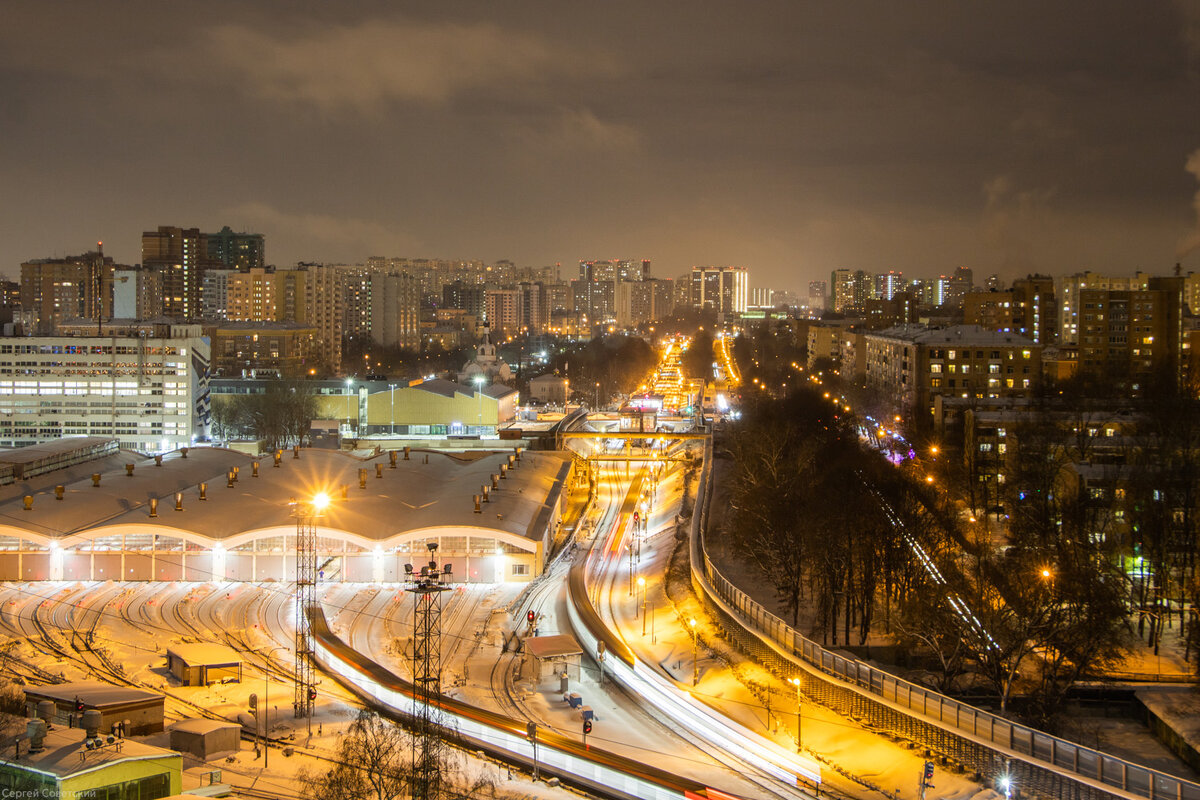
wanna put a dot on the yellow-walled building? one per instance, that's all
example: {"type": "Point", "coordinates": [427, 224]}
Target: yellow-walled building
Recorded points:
{"type": "Point", "coordinates": [428, 409]}
{"type": "Point", "coordinates": [62, 765]}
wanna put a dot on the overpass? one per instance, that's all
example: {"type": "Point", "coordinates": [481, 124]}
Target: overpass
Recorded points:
{"type": "Point", "coordinates": [632, 435]}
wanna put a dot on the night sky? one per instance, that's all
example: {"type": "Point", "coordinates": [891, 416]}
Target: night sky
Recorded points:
{"type": "Point", "coordinates": [790, 137]}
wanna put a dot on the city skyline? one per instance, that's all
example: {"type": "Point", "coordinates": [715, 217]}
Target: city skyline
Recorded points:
{"type": "Point", "coordinates": [1010, 139]}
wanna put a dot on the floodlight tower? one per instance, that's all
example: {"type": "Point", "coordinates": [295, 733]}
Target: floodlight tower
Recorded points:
{"type": "Point", "coordinates": [427, 757]}
{"type": "Point", "coordinates": [306, 514]}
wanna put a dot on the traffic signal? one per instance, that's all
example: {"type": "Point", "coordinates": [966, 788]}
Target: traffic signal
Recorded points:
{"type": "Point", "coordinates": [928, 770]}
{"type": "Point", "coordinates": [587, 726]}
{"type": "Point", "coordinates": [531, 616]}
{"type": "Point", "coordinates": [78, 705]}
{"type": "Point", "coordinates": [312, 695]}
{"type": "Point", "coordinates": [636, 516]}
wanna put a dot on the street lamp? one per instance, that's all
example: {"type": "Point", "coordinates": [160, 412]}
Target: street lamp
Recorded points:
{"type": "Point", "coordinates": [265, 718]}
{"type": "Point", "coordinates": [392, 392]}
{"type": "Point", "coordinates": [695, 662]}
{"type": "Point", "coordinates": [479, 381]}
{"type": "Point", "coordinates": [641, 582]}
{"type": "Point", "coordinates": [799, 715]}
{"type": "Point", "coordinates": [597, 395]}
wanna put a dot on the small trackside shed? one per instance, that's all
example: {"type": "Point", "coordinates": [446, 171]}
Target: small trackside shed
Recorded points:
{"type": "Point", "coordinates": [202, 664]}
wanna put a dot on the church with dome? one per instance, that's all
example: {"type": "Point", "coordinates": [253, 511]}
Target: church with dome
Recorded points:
{"type": "Point", "coordinates": [486, 364]}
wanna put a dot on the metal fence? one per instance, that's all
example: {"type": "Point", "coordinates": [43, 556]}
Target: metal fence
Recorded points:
{"type": "Point", "coordinates": [980, 740]}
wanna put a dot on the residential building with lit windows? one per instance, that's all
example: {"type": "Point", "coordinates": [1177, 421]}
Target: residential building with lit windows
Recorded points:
{"type": "Point", "coordinates": [149, 392]}
{"type": "Point", "coordinates": [1070, 288]}
{"type": "Point", "coordinates": [912, 365]}
{"type": "Point", "coordinates": [1131, 336]}
{"type": "Point", "coordinates": [54, 290]}
{"type": "Point", "coordinates": [725, 290]}
{"type": "Point", "coordinates": [262, 349]}
{"type": "Point", "coordinates": [233, 250]}
{"type": "Point", "coordinates": [180, 256]}
{"type": "Point", "coordinates": [1029, 308]}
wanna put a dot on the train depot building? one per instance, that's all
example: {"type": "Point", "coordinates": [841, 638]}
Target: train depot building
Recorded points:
{"type": "Point", "coordinates": [204, 514]}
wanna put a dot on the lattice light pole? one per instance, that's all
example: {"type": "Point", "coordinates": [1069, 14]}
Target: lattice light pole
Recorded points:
{"type": "Point", "coordinates": [306, 514]}
{"type": "Point", "coordinates": [427, 757]}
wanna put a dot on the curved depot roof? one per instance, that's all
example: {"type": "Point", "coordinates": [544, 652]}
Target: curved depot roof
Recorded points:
{"type": "Point", "coordinates": [415, 496]}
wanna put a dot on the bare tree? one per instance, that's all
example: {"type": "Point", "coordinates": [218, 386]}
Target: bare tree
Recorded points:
{"type": "Point", "coordinates": [371, 763]}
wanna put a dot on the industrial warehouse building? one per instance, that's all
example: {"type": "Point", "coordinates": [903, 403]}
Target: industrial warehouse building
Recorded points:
{"type": "Point", "coordinates": [204, 514]}
{"type": "Point", "coordinates": [54, 761]}
{"type": "Point", "coordinates": [426, 409]}
{"type": "Point", "coordinates": [145, 386]}
{"type": "Point", "coordinates": [140, 711]}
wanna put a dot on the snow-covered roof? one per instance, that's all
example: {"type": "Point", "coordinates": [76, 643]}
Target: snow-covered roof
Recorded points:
{"type": "Point", "coordinates": [63, 747]}
{"type": "Point", "coordinates": [555, 646]}
{"type": "Point", "coordinates": [208, 654]}
{"type": "Point", "coordinates": [201, 727]}
{"type": "Point", "coordinates": [94, 694]}
{"type": "Point", "coordinates": [431, 490]}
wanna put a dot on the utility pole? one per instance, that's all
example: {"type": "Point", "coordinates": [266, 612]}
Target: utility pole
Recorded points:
{"type": "Point", "coordinates": [306, 514]}
{"type": "Point", "coordinates": [427, 756]}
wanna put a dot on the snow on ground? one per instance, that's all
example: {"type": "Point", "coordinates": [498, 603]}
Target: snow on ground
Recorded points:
{"type": "Point", "coordinates": [1122, 737]}
{"type": "Point", "coordinates": [726, 678]}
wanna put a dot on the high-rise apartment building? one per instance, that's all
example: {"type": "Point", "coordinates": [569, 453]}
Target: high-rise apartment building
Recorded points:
{"type": "Point", "coordinates": [504, 311]}
{"type": "Point", "coordinates": [322, 308]}
{"type": "Point", "coordinates": [911, 365]}
{"type": "Point", "coordinates": [251, 296]}
{"type": "Point", "coordinates": [355, 281]}
{"type": "Point", "coordinates": [240, 251]}
{"type": "Point", "coordinates": [961, 283]}
{"type": "Point", "coordinates": [1132, 336]}
{"type": "Point", "coordinates": [1072, 286]}
{"type": "Point", "coordinates": [137, 294]}
{"type": "Point", "coordinates": [761, 297]}
{"type": "Point", "coordinates": [214, 294]}
{"type": "Point", "coordinates": [1029, 308]}
{"type": "Point", "coordinates": [395, 310]}
{"type": "Point", "coordinates": [615, 270]}
{"type": "Point", "coordinates": [535, 307]}
{"type": "Point", "coordinates": [889, 284]}
{"type": "Point", "coordinates": [180, 256]}
{"type": "Point", "coordinates": [721, 289]}
{"type": "Point", "coordinates": [818, 294]}
{"type": "Point", "coordinates": [842, 282]}
{"type": "Point", "coordinates": [595, 300]}
{"type": "Point", "coordinates": [468, 297]}
{"type": "Point", "coordinates": [662, 298]}
{"type": "Point", "coordinates": [56, 290]}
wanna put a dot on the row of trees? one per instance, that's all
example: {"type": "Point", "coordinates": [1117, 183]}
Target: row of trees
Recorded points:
{"type": "Point", "coordinates": [280, 417]}
{"type": "Point", "coordinates": [835, 529]}
{"type": "Point", "coordinates": [616, 363]}
{"type": "Point", "coordinates": [797, 497]}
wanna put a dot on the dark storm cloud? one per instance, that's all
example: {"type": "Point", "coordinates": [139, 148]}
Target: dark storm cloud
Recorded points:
{"type": "Point", "coordinates": [790, 137]}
